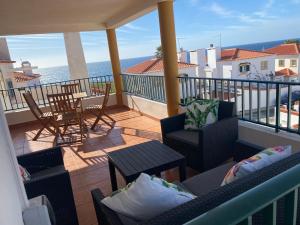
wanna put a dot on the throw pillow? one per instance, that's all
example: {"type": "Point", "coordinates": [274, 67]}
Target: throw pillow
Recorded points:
{"type": "Point", "coordinates": [257, 162]}
{"type": "Point", "coordinates": [200, 113]}
{"type": "Point", "coordinates": [147, 197]}
{"type": "Point", "coordinates": [24, 173]}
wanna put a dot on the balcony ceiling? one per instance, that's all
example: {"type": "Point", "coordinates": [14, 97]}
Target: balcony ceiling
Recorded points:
{"type": "Point", "coordinates": [55, 16]}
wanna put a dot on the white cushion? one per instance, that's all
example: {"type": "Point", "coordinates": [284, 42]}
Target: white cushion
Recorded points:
{"type": "Point", "coordinates": [257, 162]}
{"type": "Point", "coordinates": [147, 197]}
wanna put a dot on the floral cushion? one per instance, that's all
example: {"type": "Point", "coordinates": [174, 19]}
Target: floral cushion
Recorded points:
{"type": "Point", "coordinates": [200, 113]}
{"type": "Point", "coordinates": [257, 162]}
{"type": "Point", "coordinates": [24, 173]}
{"type": "Point", "coordinates": [146, 197]}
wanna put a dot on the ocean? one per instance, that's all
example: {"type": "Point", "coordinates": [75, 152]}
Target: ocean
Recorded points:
{"type": "Point", "coordinates": [61, 73]}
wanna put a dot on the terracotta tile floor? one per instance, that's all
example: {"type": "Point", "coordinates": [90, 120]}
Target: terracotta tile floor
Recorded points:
{"type": "Point", "coordinates": [87, 162]}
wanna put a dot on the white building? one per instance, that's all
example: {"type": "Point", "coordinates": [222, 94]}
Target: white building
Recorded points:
{"type": "Point", "coordinates": [238, 63]}
{"type": "Point", "coordinates": [287, 60]}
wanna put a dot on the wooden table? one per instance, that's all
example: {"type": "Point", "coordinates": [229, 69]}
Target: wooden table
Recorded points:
{"type": "Point", "coordinates": [79, 95]}
{"type": "Point", "coordinates": [151, 157]}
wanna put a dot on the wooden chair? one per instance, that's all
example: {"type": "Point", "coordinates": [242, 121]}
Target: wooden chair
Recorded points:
{"type": "Point", "coordinates": [70, 88]}
{"type": "Point", "coordinates": [99, 110]}
{"type": "Point", "coordinates": [45, 118]}
{"type": "Point", "coordinates": [64, 106]}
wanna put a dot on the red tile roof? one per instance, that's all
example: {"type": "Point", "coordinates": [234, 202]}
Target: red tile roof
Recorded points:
{"type": "Point", "coordinates": [21, 77]}
{"type": "Point", "coordinates": [285, 72]}
{"type": "Point", "coordinates": [154, 65]}
{"type": "Point", "coordinates": [285, 49]}
{"type": "Point", "coordinates": [239, 54]}
{"type": "Point", "coordinates": [6, 61]}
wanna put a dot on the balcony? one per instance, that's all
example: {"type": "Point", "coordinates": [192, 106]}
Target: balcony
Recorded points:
{"type": "Point", "coordinates": [138, 121]}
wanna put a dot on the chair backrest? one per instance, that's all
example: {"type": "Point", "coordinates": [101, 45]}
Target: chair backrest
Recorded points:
{"type": "Point", "coordinates": [61, 103]}
{"type": "Point", "coordinates": [70, 88]}
{"type": "Point", "coordinates": [226, 110]}
{"type": "Point", "coordinates": [106, 94]}
{"type": "Point", "coordinates": [34, 108]}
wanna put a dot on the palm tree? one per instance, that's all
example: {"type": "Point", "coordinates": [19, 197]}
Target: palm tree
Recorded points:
{"type": "Point", "coordinates": [159, 52]}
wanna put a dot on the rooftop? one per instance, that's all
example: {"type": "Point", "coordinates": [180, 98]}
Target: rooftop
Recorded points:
{"type": "Point", "coordinates": [285, 72]}
{"type": "Point", "coordinates": [240, 54]}
{"type": "Point", "coordinates": [285, 49]}
{"type": "Point", "coordinates": [154, 65]}
{"type": "Point", "coordinates": [6, 61]}
{"type": "Point", "coordinates": [22, 77]}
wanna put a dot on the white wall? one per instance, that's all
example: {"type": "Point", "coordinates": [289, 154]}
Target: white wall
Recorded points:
{"type": "Point", "coordinates": [287, 63]}
{"type": "Point", "coordinates": [151, 108]}
{"type": "Point", "coordinates": [12, 192]}
{"type": "Point", "coordinates": [255, 67]}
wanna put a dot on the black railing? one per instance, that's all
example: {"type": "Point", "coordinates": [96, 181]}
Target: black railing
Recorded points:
{"type": "Point", "coordinates": [270, 103]}
{"type": "Point", "coordinates": [145, 86]}
{"type": "Point", "coordinates": [12, 99]}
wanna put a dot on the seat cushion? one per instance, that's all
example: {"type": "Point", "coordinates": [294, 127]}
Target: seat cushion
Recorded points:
{"type": "Point", "coordinates": [49, 172]}
{"type": "Point", "coordinates": [186, 136]}
{"type": "Point", "coordinates": [207, 181]}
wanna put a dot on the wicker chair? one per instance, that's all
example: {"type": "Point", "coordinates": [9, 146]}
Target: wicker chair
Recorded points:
{"type": "Point", "coordinates": [49, 177]}
{"type": "Point", "coordinates": [208, 147]}
{"type": "Point", "coordinates": [210, 194]}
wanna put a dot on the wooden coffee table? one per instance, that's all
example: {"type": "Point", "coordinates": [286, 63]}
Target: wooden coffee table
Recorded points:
{"type": "Point", "coordinates": [151, 157]}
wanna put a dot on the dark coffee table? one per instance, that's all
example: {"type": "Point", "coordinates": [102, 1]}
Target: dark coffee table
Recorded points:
{"type": "Point", "coordinates": [151, 157]}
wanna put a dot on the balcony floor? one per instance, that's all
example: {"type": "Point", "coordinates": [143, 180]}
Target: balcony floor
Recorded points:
{"type": "Point", "coordinates": [87, 162]}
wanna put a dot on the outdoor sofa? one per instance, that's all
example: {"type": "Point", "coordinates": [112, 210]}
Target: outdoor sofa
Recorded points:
{"type": "Point", "coordinates": [50, 178]}
{"type": "Point", "coordinates": [210, 194]}
{"type": "Point", "coordinates": [208, 147]}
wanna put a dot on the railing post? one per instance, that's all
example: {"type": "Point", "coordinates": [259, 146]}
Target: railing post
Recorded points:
{"type": "Point", "coordinates": [277, 115]}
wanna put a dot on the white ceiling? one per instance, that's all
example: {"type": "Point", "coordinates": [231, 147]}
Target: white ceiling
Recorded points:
{"type": "Point", "coordinates": [54, 16]}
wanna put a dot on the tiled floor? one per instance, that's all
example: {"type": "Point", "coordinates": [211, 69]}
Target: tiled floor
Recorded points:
{"type": "Point", "coordinates": [87, 162]}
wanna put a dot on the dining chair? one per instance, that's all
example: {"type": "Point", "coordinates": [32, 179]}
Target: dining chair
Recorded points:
{"type": "Point", "coordinates": [45, 119]}
{"type": "Point", "coordinates": [64, 106]}
{"type": "Point", "coordinates": [100, 110]}
{"type": "Point", "coordinates": [70, 88]}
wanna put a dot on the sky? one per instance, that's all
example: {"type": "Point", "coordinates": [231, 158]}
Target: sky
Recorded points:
{"type": "Point", "coordinates": [198, 24]}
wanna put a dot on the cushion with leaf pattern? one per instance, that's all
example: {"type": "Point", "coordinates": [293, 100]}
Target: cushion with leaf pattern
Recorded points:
{"type": "Point", "coordinates": [200, 113]}
{"type": "Point", "coordinates": [146, 197]}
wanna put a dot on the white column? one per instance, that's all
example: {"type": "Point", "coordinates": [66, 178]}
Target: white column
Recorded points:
{"type": "Point", "coordinates": [75, 55]}
{"type": "Point", "coordinates": [12, 192]}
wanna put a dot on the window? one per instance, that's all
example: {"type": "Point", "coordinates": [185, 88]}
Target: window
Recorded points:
{"type": "Point", "coordinates": [264, 65]}
{"type": "Point", "coordinates": [281, 63]}
{"type": "Point", "coordinates": [244, 67]}
{"type": "Point", "coordinates": [293, 63]}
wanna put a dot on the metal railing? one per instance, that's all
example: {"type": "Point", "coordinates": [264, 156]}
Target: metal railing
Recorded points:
{"type": "Point", "coordinates": [146, 86]}
{"type": "Point", "coordinates": [262, 198]}
{"type": "Point", "coordinates": [12, 99]}
{"type": "Point", "coordinates": [268, 103]}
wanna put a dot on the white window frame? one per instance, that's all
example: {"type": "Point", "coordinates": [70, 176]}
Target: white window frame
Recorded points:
{"type": "Point", "coordinates": [279, 64]}
{"type": "Point", "coordinates": [291, 63]}
{"type": "Point", "coordinates": [264, 65]}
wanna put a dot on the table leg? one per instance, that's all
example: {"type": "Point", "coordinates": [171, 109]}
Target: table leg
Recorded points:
{"type": "Point", "coordinates": [113, 178]}
{"type": "Point", "coordinates": [182, 171]}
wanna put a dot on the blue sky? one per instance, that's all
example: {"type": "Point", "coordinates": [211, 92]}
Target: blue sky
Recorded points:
{"type": "Point", "coordinates": [198, 23]}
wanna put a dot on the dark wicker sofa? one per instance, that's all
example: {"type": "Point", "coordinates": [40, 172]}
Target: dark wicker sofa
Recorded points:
{"type": "Point", "coordinates": [208, 147]}
{"type": "Point", "coordinates": [49, 177]}
{"type": "Point", "coordinates": [210, 194]}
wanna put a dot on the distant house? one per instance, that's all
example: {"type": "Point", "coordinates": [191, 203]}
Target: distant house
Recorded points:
{"type": "Point", "coordinates": [236, 63]}
{"type": "Point", "coordinates": [156, 67]}
{"type": "Point", "coordinates": [287, 59]}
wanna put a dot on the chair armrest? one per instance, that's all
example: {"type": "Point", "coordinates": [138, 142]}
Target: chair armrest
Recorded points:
{"type": "Point", "coordinates": [172, 123]}
{"type": "Point", "coordinates": [40, 160]}
{"type": "Point", "coordinates": [105, 216]}
{"type": "Point", "coordinates": [244, 150]}
{"type": "Point", "coordinates": [217, 141]}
